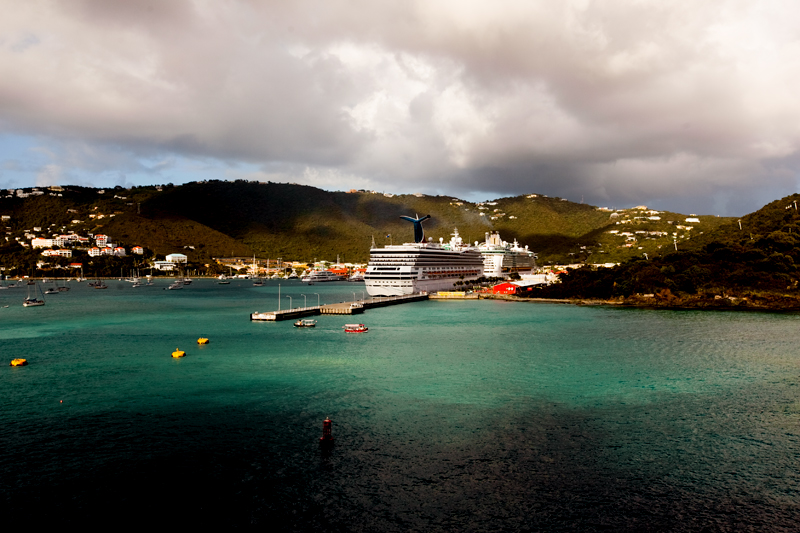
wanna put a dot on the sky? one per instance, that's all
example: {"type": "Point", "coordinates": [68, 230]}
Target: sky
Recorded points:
{"type": "Point", "coordinates": [682, 105]}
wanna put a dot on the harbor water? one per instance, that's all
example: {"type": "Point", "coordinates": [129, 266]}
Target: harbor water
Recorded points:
{"type": "Point", "coordinates": [447, 415]}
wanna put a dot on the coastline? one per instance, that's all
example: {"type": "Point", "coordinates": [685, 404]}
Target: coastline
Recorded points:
{"type": "Point", "coordinates": [694, 302]}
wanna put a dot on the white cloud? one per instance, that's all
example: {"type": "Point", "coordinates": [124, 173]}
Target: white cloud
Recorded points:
{"type": "Point", "coordinates": [49, 175]}
{"type": "Point", "coordinates": [621, 99]}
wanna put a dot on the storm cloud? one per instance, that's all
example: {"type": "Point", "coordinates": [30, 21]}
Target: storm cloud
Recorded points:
{"type": "Point", "coordinates": [683, 105]}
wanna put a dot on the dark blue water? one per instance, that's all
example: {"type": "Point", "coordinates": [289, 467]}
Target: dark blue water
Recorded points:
{"type": "Point", "coordinates": [448, 416]}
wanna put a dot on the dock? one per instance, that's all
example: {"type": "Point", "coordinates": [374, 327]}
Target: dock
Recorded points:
{"type": "Point", "coordinates": [342, 308]}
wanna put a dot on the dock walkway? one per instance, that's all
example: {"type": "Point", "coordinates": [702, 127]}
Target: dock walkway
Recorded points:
{"type": "Point", "coordinates": [342, 308]}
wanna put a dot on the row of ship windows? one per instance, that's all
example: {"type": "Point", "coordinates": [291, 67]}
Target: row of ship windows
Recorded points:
{"type": "Point", "coordinates": [425, 267]}
{"type": "Point", "coordinates": [391, 275]}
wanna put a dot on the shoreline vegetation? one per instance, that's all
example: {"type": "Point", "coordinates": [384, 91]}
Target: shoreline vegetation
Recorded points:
{"type": "Point", "coordinates": [711, 302]}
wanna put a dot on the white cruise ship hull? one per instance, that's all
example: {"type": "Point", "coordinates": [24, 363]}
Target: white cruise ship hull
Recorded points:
{"type": "Point", "coordinates": [412, 287]}
{"type": "Point", "coordinates": [420, 267]}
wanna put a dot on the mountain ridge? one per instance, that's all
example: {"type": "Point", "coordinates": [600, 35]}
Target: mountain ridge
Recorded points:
{"type": "Point", "coordinates": [271, 220]}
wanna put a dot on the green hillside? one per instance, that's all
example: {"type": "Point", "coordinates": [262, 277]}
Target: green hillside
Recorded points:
{"type": "Point", "coordinates": [755, 265]}
{"type": "Point", "coordinates": [295, 222]}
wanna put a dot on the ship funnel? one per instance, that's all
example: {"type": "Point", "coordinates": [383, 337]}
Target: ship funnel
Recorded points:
{"type": "Point", "coordinates": [419, 233]}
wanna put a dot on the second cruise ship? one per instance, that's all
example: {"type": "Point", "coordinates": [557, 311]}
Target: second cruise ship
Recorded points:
{"type": "Point", "coordinates": [502, 258]}
{"type": "Point", "coordinates": [421, 266]}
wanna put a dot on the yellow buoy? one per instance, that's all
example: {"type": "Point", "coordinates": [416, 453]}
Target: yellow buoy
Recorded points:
{"type": "Point", "coordinates": [202, 340]}
{"type": "Point", "coordinates": [19, 362]}
{"type": "Point", "coordinates": [178, 353]}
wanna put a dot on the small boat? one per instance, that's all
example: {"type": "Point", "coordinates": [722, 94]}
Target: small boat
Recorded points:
{"type": "Point", "coordinates": [178, 353]}
{"type": "Point", "coordinates": [305, 323]}
{"type": "Point", "coordinates": [53, 289]}
{"type": "Point", "coordinates": [355, 328]}
{"type": "Point", "coordinates": [32, 300]}
{"type": "Point", "coordinates": [19, 362]}
{"type": "Point", "coordinates": [187, 281]}
{"type": "Point", "coordinates": [321, 275]}
{"type": "Point", "coordinates": [225, 280]}
{"type": "Point", "coordinates": [176, 285]}
{"type": "Point", "coordinates": [258, 282]}
{"type": "Point", "coordinates": [202, 340]}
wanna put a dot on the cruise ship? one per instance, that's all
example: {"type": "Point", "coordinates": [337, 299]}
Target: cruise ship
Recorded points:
{"type": "Point", "coordinates": [501, 258]}
{"type": "Point", "coordinates": [421, 266]}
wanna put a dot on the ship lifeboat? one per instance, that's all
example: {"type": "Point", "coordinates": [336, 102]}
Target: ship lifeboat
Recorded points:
{"type": "Point", "coordinates": [19, 362]}
{"type": "Point", "coordinates": [202, 340]}
{"type": "Point", "coordinates": [355, 328]}
{"type": "Point", "coordinates": [178, 353]}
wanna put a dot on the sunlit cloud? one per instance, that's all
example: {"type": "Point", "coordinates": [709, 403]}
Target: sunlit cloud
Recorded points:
{"type": "Point", "coordinates": [627, 102]}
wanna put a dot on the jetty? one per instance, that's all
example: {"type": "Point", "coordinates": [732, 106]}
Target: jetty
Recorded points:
{"type": "Point", "coordinates": [341, 308]}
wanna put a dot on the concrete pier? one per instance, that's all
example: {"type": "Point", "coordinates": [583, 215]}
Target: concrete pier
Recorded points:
{"type": "Point", "coordinates": [285, 314]}
{"type": "Point", "coordinates": [342, 308]}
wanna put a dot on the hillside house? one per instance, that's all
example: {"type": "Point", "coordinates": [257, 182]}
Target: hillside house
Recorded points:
{"type": "Point", "coordinates": [176, 258]}
{"type": "Point", "coordinates": [42, 243]}
{"type": "Point", "coordinates": [164, 266]}
{"type": "Point", "coordinates": [57, 253]}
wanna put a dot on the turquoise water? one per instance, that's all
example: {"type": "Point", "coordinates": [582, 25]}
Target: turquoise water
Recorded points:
{"type": "Point", "coordinates": [448, 415]}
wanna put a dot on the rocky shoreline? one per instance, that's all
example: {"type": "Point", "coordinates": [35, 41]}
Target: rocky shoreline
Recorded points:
{"type": "Point", "coordinates": [748, 302]}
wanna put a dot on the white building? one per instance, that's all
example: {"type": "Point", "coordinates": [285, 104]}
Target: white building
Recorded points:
{"type": "Point", "coordinates": [176, 258]}
{"type": "Point", "coordinates": [166, 266]}
{"type": "Point", "coordinates": [42, 243]}
{"type": "Point", "coordinates": [58, 253]}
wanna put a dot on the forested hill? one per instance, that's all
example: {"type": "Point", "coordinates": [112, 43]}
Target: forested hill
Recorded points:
{"type": "Point", "coordinates": [270, 220]}
{"type": "Point", "coordinates": [755, 265]}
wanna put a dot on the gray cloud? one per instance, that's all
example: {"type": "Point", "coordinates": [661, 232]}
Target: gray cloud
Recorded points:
{"type": "Point", "coordinates": [628, 102]}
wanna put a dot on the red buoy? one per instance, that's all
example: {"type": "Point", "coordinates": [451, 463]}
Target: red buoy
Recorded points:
{"type": "Point", "coordinates": [326, 439]}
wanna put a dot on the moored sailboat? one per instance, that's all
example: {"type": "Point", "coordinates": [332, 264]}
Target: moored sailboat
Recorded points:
{"type": "Point", "coordinates": [32, 301]}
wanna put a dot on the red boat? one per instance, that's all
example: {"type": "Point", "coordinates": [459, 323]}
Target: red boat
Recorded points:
{"type": "Point", "coordinates": [355, 328]}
